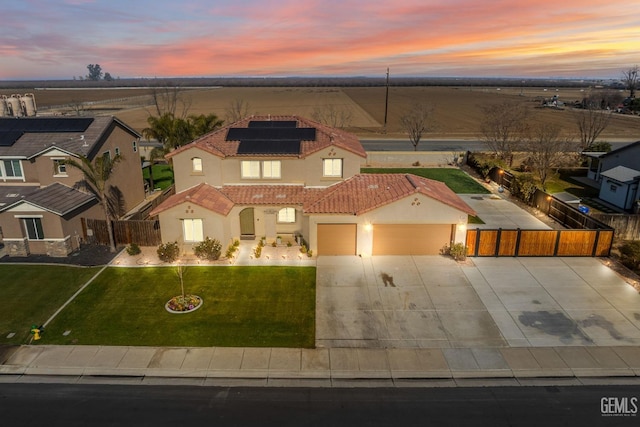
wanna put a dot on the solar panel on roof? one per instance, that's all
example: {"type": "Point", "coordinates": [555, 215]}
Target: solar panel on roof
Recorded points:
{"type": "Point", "coordinates": [273, 124]}
{"type": "Point", "coordinates": [247, 134]}
{"type": "Point", "coordinates": [269, 147]}
{"type": "Point", "coordinates": [46, 124]}
{"type": "Point", "coordinates": [7, 139]}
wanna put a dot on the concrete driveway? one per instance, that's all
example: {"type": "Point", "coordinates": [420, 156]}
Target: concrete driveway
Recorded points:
{"type": "Point", "coordinates": [434, 302]}
{"type": "Point", "coordinates": [498, 212]}
{"type": "Point", "coordinates": [399, 302]}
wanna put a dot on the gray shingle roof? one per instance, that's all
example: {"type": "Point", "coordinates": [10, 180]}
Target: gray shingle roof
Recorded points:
{"type": "Point", "coordinates": [622, 174]}
{"type": "Point", "coordinates": [31, 143]}
{"type": "Point", "coordinates": [56, 198]}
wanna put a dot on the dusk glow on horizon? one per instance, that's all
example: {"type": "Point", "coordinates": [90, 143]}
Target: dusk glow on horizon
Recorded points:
{"type": "Point", "coordinates": [56, 39]}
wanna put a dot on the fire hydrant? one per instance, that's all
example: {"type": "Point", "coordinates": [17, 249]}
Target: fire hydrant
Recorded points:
{"type": "Point", "coordinates": [35, 331]}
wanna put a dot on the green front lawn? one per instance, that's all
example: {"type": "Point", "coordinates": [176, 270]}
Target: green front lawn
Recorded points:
{"type": "Point", "coordinates": [162, 176]}
{"type": "Point", "coordinates": [30, 294]}
{"type": "Point", "coordinates": [456, 180]}
{"type": "Point", "coordinates": [243, 306]}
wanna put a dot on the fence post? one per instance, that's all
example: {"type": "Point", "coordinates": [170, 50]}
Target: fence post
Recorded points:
{"type": "Point", "coordinates": [497, 250]}
{"type": "Point", "coordinates": [517, 251]}
{"type": "Point", "coordinates": [555, 249]}
{"type": "Point", "coordinates": [477, 241]}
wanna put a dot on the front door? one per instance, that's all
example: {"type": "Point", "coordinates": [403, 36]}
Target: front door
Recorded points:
{"type": "Point", "coordinates": [246, 223]}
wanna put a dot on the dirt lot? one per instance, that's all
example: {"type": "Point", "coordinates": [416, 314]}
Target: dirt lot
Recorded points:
{"type": "Point", "coordinates": [457, 109]}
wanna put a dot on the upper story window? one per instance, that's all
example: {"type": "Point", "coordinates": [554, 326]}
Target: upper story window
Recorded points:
{"type": "Point", "coordinates": [60, 168]}
{"type": "Point", "coordinates": [255, 169]}
{"type": "Point", "coordinates": [11, 169]}
{"type": "Point", "coordinates": [134, 144]}
{"type": "Point", "coordinates": [250, 169]}
{"type": "Point", "coordinates": [287, 215]}
{"type": "Point", "coordinates": [271, 169]}
{"type": "Point", "coordinates": [107, 155]}
{"type": "Point", "coordinates": [117, 151]}
{"type": "Point", "coordinates": [196, 164]}
{"type": "Point", "coordinates": [332, 168]}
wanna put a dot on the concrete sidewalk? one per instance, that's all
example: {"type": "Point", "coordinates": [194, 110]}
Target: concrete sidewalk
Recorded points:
{"type": "Point", "coordinates": [320, 367]}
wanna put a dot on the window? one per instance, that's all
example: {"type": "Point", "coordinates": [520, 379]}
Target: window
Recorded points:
{"type": "Point", "coordinates": [60, 167]}
{"type": "Point", "coordinates": [117, 151]}
{"type": "Point", "coordinates": [613, 188]}
{"type": "Point", "coordinates": [192, 230]}
{"type": "Point", "coordinates": [11, 169]}
{"type": "Point", "coordinates": [287, 215]}
{"type": "Point", "coordinates": [106, 155]}
{"type": "Point", "coordinates": [271, 169]}
{"type": "Point", "coordinates": [135, 146]}
{"type": "Point", "coordinates": [196, 164]}
{"type": "Point", "coordinates": [250, 169]}
{"type": "Point", "coordinates": [332, 167]}
{"type": "Point", "coordinates": [34, 228]}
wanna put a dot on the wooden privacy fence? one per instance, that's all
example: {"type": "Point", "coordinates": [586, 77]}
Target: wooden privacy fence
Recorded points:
{"type": "Point", "coordinates": [627, 226]}
{"type": "Point", "coordinates": [509, 242]}
{"type": "Point", "coordinates": [143, 233]}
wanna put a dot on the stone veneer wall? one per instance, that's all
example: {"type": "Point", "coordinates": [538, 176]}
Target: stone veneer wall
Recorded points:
{"type": "Point", "coordinates": [17, 247]}
{"type": "Point", "coordinates": [58, 248]}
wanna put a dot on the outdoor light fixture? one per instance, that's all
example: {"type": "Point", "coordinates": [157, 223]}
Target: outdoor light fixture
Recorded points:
{"type": "Point", "coordinates": [368, 227]}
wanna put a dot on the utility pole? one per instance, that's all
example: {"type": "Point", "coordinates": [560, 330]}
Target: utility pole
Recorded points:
{"type": "Point", "coordinates": [386, 103]}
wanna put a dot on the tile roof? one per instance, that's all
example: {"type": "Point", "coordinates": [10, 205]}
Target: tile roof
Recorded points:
{"type": "Point", "coordinates": [325, 136]}
{"type": "Point", "coordinates": [356, 195]}
{"type": "Point", "coordinates": [202, 195]}
{"type": "Point", "coordinates": [364, 192]}
{"type": "Point", "coordinates": [57, 198]}
{"type": "Point", "coordinates": [32, 143]}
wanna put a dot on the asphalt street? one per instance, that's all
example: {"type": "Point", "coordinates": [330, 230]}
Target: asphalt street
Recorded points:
{"type": "Point", "coordinates": [436, 145]}
{"type": "Point", "coordinates": [165, 405]}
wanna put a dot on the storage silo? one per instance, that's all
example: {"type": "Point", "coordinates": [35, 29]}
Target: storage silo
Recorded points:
{"type": "Point", "coordinates": [28, 102]}
{"type": "Point", "coordinates": [14, 106]}
{"type": "Point", "coordinates": [4, 109]}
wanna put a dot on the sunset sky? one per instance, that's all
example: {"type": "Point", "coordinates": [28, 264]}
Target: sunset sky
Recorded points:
{"type": "Point", "coordinates": [45, 39]}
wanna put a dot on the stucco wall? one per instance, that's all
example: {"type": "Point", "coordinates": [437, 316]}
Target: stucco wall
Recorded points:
{"type": "Point", "coordinates": [294, 170]}
{"type": "Point", "coordinates": [416, 209]}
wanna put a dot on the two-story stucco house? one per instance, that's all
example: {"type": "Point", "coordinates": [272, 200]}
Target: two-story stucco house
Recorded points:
{"type": "Point", "coordinates": [41, 205]}
{"type": "Point", "coordinates": [618, 173]}
{"type": "Point", "coordinates": [290, 176]}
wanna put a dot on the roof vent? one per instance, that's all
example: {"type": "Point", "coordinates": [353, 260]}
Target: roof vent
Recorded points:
{"type": "Point", "coordinates": [258, 196]}
{"type": "Point", "coordinates": [12, 195]}
{"type": "Point", "coordinates": [281, 196]}
{"type": "Point", "coordinates": [373, 186]}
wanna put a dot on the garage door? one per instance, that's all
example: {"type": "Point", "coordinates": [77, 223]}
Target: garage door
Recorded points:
{"type": "Point", "coordinates": [336, 239]}
{"type": "Point", "coordinates": [410, 239]}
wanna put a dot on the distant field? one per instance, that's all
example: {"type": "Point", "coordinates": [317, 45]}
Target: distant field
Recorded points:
{"type": "Point", "coordinates": [457, 109]}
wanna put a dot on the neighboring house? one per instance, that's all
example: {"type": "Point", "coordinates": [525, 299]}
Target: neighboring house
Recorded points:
{"type": "Point", "coordinates": [40, 201]}
{"type": "Point", "coordinates": [290, 176]}
{"type": "Point", "coordinates": [618, 173]}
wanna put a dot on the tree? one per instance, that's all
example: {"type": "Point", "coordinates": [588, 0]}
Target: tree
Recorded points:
{"type": "Point", "coordinates": [503, 128]}
{"type": "Point", "coordinates": [548, 150]}
{"type": "Point", "coordinates": [237, 110]}
{"type": "Point", "coordinates": [167, 98]}
{"type": "Point", "coordinates": [332, 116]}
{"type": "Point", "coordinates": [630, 80]}
{"type": "Point", "coordinates": [591, 121]}
{"type": "Point", "coordinates": [96, 175]}
{"type": "Point", "coordinates": [107, 77]}
{"type": "Point", "coordinates": [417, 121]}
{"type": "Point", "coordinates": [95, 72]}
{"type": "Point", "coordinates": [173, 132]}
